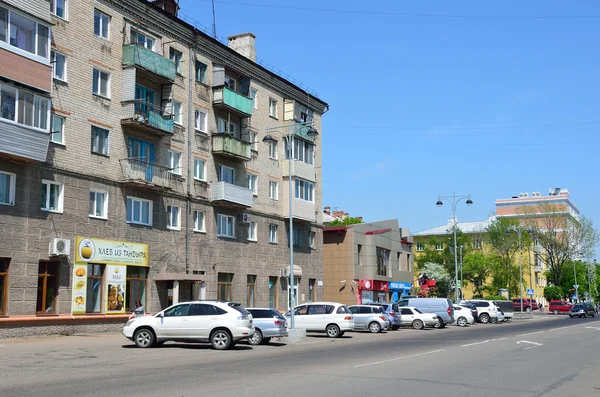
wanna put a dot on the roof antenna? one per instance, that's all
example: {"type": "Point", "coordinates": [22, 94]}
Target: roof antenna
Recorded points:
{"type": "Point", "coordinates": [214, 20]}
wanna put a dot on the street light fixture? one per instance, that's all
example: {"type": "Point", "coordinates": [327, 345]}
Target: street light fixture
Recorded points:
{"type": "Point", "coordinates": [519, 230]}
{"type": "Point", "coordinates": [453, 200]}
{"type": "Point", "coordinates": [293, 130]}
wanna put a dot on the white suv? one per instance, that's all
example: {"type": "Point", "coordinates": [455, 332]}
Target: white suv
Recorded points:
{"type": "Point", "coordinates": [487, 311]}
{"type": "Point", "coordinates": [330, 317]}
{"type": "Point", "coordinates": [221, 323]}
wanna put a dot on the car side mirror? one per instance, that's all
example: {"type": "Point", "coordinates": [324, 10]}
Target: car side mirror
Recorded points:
{"type": "Point", "coordinates": [161, 315]}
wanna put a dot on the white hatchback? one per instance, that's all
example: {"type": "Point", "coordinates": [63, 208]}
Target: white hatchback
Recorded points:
{"type": "Point", "coordinates": [463, 316]}
{"type": "Point", "coordinates": [220, 323]}
{"type": "Point", "coordinates": [329, 317]}
{"type": "Point", "coordinates": [416, 318]}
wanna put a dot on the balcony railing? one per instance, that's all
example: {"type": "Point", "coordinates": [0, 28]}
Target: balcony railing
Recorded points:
{"type": "Point", "coordinates": [231, 194]}
{"type": "Point", "coordinates": [539, 269]}
{"type": "Point", "coordinates": [229, 145]}
{"type": "Point", "coordinates": [233, 101]}
{"type": "Point", "coordinates": [136, 55]}
{"type": "Point", "coordinates": [146, 116]}
{"type": "Point", "coordinates": [141, 172]}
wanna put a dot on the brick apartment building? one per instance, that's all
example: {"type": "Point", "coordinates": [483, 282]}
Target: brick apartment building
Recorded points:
{"type": "Point", "coordinates": [133, 167]}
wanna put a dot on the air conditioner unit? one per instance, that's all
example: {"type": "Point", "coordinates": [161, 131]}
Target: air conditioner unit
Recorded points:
{"type": "Point", "coordinates": [59, 247]}
{"type": "Point", "coordinates": [244, 218]}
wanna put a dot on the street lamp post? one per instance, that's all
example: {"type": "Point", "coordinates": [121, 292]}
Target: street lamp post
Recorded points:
{"type": "Point", "coordinates": [453, 200]}
{"type": "Point", "coordinates": [461, 272]}
{"type": "Point", "coordinates": [519, 230]}
{"type": "Point", "coordinates": [576, 285]}
{"type": "Point", "coordinates": [289, 139]}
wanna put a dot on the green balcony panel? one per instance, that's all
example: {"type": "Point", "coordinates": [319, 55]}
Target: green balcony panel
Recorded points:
{"type": "Point", "coordinates": [135, 55]}
{"type": "Point", "coordinates": [223, 96]}
{"type": "Point", "coordinates": [228, 145]}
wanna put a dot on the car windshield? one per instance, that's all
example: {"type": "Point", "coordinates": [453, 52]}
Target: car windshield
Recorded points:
{"type": "Point", "coordinates": [418, 311]}
{"type": "Point", "coordinates": [578, 307]}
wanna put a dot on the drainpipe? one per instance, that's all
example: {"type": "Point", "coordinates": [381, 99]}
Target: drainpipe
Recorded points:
{"type": "Point", "coordinates": [190, 129]}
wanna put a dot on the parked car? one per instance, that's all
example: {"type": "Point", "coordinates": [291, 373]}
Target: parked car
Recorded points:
{"type": "Point", "coordinates": [416, 318]}
{"type": "Point", "coordinates": [473, 309]}
{"type": "Point", "coordinates": [582, 310]}
{"type": "Point", "coordinates": [442, 307]}
{"type": "Point", "coordinates": [499, 317]}
{"type": "Point", "coordinates": [222, 324]}
{"type": "Point", "coordinates": [487, 311]}
{"type": "Point", "coordinates": [268, 323]}
{"type": "Point", "coordinates": [369, 318]}
{"type": "Point", "coordinates": [557, 307]}
{"type": "Point", "coordinates": [330, 317]}
{"type": "Point", "coordinates": [528, 305]}
{"type": "Point", "coordinates": [463, 316]}
{"type": "Point", "coordinates": [506, 308]}
{"type": "Point", "coordinates": [393, 311]}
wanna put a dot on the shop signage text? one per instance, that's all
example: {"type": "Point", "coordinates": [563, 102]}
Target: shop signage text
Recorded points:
{"type": "Point", "coordinates": [95, 250]}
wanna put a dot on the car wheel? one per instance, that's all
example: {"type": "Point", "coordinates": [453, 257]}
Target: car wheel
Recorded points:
{"type": "Point", "coordinates": [484, 318]}
{"type": "Point", "coordinates": [593, 314]}
{"type": "Point", "coordinates": [144, 338]}
{"type": "Point", "coordinates": [333, 331]}
{"type": "Point", "coordinates": [374, 327]}
{"type": "Point", "coordinates": [342, 333]}
{"type": "Point", "coordinates": [462, 322]}
{"type": "Point", "coordinates": [220, 339]}
{"type": "Point", "coordinates": [555, 311]}
{"type": "Point", "coordinates": [395, 327]}
{"type": "Point", "coordinates": [528, 309]}
{"type": "Point", "coordinates": [159, 343]}
{"type": "Point", "coordinates": [266, 340]}
{"type": "Point", "coordinates": [439, 324]}
{"type": "Point", "coordinates": [570, 315]}
{"type": "Point", "coordinates": [257, 338]}
{"type": "Point", "coordinates": [417, 324]}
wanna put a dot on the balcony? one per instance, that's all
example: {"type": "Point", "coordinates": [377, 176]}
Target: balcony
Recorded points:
{"type": "Point", "coordinates": [231, 195]}
{"type": "Point", "coordinates": [135, 55]}
{"type": "Point", "coordinates": [539, 269]}
{"type": "Point", "coordinates": [140, 173]}
{"type": "Point", "coordinates": [231, 101]}
{"type": "Point", "coordinates": [303, 211]}
{"type": "Point", "coordinates": [301, 170]}
{"type": "Point", "coordinates": [143, 117]}
{"type": "Point", "coordinates": [228, 145]}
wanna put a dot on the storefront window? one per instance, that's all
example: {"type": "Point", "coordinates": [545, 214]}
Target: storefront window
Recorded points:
{"type": "Point", "coordinates": [311, 289]}
{"type": "Point", "coordinates": [251, 290]}
{"type": "Point", "coordinates": [137, 279]}
{"type": "Point", "coordinates": [94, 288]}
{"type": "Point", "coordinates": [273, 292]}
{"type": "Point", "coordinates": [47, 287]}
{"type": "Point", "coordinates": [4, 262]}
{"type": "Point", "coordinates": [225, 287]}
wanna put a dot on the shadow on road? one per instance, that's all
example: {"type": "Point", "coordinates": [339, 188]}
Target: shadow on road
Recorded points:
{"type": "Point", "coordinates": [189, 346]}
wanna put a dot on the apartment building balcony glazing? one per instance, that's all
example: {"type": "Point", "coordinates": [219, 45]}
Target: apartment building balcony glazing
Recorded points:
{"type": "Point", "coordinates": [142, 116]}
{"type": "Point", "coordinates": [231, 101]}
{"type": "Point", "coordinates": [230, 195]}
{"type": "Point", "coordinates": [140, 173]}
{"type": "Point", "coordinates": [301, 170]}
{"type": "Point", "coordinates": [539, 269]}
{"type": "Point", "coordinates": [303, 211]}
{"type": "Point", "coordinates": [136, 55]}
{"type": "Point", "coordinates": [228, 145]}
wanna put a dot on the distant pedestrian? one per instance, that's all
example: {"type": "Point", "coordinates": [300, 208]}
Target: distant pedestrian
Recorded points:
{"type": "Point", "coordinates": [541, 306]}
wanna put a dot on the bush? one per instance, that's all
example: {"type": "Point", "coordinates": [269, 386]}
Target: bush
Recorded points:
{"type": "Point", "coordinates": [553, 293]}
{"type": "Point", "coordinates": [495, 298]}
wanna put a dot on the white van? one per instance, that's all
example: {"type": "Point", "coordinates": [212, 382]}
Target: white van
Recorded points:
{"type": "Point", "coordinates": [442, 307]}
{"type": "Point", "coordinates": [330, 317]}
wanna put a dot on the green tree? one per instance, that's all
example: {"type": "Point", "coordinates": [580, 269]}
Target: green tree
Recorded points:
{"type": "Point", "coordinates": [554, 293]}
{"type": "Point", "coordinates": [477, 268]}
{"type": "Point", "coordinates": [568, 278]}
{"type": "Point", "coordinates": [346, 221]}
{"type": "Point", "coordinates": [443, 280]}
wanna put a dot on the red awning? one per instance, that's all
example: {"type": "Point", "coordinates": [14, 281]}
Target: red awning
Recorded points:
{"type": "Point", "coordinates": [380, 231]}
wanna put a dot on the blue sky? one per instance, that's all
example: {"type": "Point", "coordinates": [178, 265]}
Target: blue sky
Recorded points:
{"type": "Point", "coordinates": [436, 97]}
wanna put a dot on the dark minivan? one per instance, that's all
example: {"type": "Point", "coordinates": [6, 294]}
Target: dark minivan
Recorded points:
{"type": "Point", "coordinates": [507, 309]}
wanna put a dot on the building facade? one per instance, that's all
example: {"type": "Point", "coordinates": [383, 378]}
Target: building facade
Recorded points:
{"type": "Point", "coordinates": [133, 168]}
{"type": "Point", "coordinates": [367, 262]}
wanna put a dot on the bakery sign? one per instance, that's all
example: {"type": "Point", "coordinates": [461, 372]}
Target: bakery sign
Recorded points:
{"type": "Point", "coordinates": [96, 250]}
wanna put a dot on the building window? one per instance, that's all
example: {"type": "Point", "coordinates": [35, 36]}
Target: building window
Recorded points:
{"type": "Point", "coordinates": [59, 66]}
{"type": "Point", "coordinates": [175, 162]}
{"type": "Point", "coordinates": [230, 83]}
{"type": "Point", "coordinates": [225, 226]}
{"type": "Point", "coordinates": [47, 287]}
{"type": "Point", "coordinates": [52, 196]}
{"type": "Point", "coordinates": [383, 260]}
{"type": "Point", "coordinates": [273, 150]}
{"type": "Point", "coordinates": [273, 292]}
{"type": "Point", "coordinates": [439, 246]}
{"type": "Point", "coordinates": [311, 240]}
{"type": "Point", "coordinates": [359, 254]}
{"type": "Point", "coordinates": [173, 217]}
{"type": "Point", "coordinates": [253, 96]}
{"type": "Point", "coordinates": [4, 262]}
{"type": "Point", "coordinates": [476, 243]}
{"type": "Point", "coordinates": [253, 140]}
{"type": "Point", "coordinates": [225, 287]}
{"type": "Point", "coordinates": [251, 290]}
{"type": "Point", "coordinates": [7, 188]}
{"type": "Point", "coordinates": [139, 211]}
{"type": "Point", "coordinates": [273, 234]}
{"type": "Point", "coordinates": [24, 107]}
{"type": "Point", "coordinates": [98, 204]}
{"type": "Point", "coordinates": [252, 228]}
{"type": "Point", "coordinates": [101, 83]}
{"type": "Point", "coordinates": [141, 39]}
{"type": "Point", "coordinates": [408, 267]}
{"type": "Point", "coordinates": [136, 284]}
{"type": "Point", "coordinates": [253, 183]}
{"type": "Point", "coordinates": [199, 169]}
{"type": "Point", "coordinates": [177, 113]}
{"type": "Point", "coordinates": [304, 190]}
{"type": "Point", "coordinates": [303, 151]}
{"type": "Point", "coordinates": [24, 33]}
{"type": "Point", "coordinates": [272, 107]}
{"type": "Point", "coordinates": [225, 174]}
{"type": "Point", "coordinates": [199, 225]}
{"type": "Point", "coordinates": [200, 72]}
{"type": "Point", "coordinates": [200, 121]}
{"type": "Point", "coordinates": [420, 247]}
{"type": "Point", "coordinates": [224, 127]}
{"type": "Point", "coordinates": [399, 256]}
{"type": "Point", "coordinates": [101, 24]}
{"type": "Point", "coordinates": [59, 8]}
{"type": "Point", "coordinates": [297, 237]}
{"type": "Point", "coordinates": [57, 133]}
{"type": "Point", "coordinates": [274, 190]}
{"type": "Point", "coordinates": [95, 274]}
{"type": "Point", "coordinates": [311, 289]}
{"type": "Point", "coordinates": [175, 56]}
{"type": "Point", "coordinates": [100, 140]}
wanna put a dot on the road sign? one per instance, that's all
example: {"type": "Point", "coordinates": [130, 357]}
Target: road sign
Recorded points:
{"type": "Point", "coordinates": [530, 292]}
{"type": "Point", "coordinates": [574, 297]}
{"type": "Point", "coordinates": [576, 286]}
{"type": "Point", "coordinates": [459, 286]}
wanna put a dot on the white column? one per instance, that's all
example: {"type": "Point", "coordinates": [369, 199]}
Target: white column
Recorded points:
{"type": "Point", "coordinates": [175, 291]}
{"type": "Point", "coordinates": [203, 290]}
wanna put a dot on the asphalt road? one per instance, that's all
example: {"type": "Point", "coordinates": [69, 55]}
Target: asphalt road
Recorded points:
{"type": "Point", "coordinates": [547, 356]}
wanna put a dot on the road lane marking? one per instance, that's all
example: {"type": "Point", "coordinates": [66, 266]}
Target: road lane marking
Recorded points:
{"type": "Point", "coordinates": [502, 339]}
{"type": "Point", "coordinates": [596, 328]}
{"type": "Point", "coordinates": [530, 342]}
{"type": "Point", "coordinates": [399, 358]}
{"type": "Point", "coordinates": [476, 343]}
{"type": "Point", "coordinates": [568, 326]}
{"type": "Point", "coordinates": [530, 347]}
{"type": "Point", "coordinates": [532, 333]}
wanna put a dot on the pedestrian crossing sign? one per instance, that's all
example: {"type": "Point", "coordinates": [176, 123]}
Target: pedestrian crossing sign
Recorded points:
{"type": "Point", "coordinates": [530, 292]}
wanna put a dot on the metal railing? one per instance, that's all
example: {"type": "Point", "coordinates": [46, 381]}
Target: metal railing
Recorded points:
{"type": "Point", "coordinates": [134, 169]}
{"type": "Point", "coordinates": [228, 144]}
{"type": "Point", "coordinates": [148, 114]}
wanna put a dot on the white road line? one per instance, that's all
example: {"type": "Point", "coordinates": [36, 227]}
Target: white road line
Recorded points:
{"type": "Point", "coordinates": [502, 339]}
{"type": "Point", "coordinates": [476, 343]}
{"type": "Point", "coordinates": [530, 347]}
{"type": "Point", "coordinates": [596, 328]}
{"type": "Point", "coordinates": [532, 333]}
{"type": "Point", "coordinates": [399, 358]}
{"type": "Point", "coordinates": [568, 326]}
{"type": "Point", "coordinates": [530, 342]}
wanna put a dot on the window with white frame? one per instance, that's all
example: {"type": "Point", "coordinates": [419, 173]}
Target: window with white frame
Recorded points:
{"type": "Point", "coordinates": [24, 33]}
{"type": "Point", "coordinates": [274, 190]}
{"type": "Point", "coordinates": [253, 96]}
{"type": "Point", "coordinates": [225, 174]}
{"type": "Point", "coordinates": [200, 121]}
{"type": "Point", "coordinates": [100, 140]}
{"type": "Point", "coordinates": [57, 131]}
{"type": "Point", "coordinates": [439, 246]}
{"type": "Point", "coordinates": [175, 162]}
{"type": "Point", "coordinates": [59, 8]}
{"type": "Point", "coordinates": [304, 190]}
{"type": "Point", "coordinates": [311, 239]}
{"type": "Point", "coordinates": [7, 188]}
{"type": "Point", "coordinates": [173, 217]}
{"type": "Point", "coordinates": [303, 151]}
{"type": "Point", "coordinates": [142, 39]}
{"type": "Point", "coordinates": [252, 228]}
{"type": "Point", "coordinates": [272, 107]}
{"type": "Point", "coordinates": [200, 169]}
{"type": "Point", "coordinates": [101, 25]}
{"type": "Point", "coordinates": [273, 233]}
{"type": "Point", "coordinates": [175, 56]}
{"type": "Point", "coordinates": [59, 66]}
{"type": "Point", "coordinates": [225, 226]}
{"type": "Point", "coordinates": [24, 108]}
{"type": "Point", "coordinates": [253, 136]}
{"type": "Point", "coordinates": [476, 243]}
{"type": "Point", "coordinates": [273, 149]}
{"type": "Point", "coordinates": [420, 246]}
{"type": "Point", "coordinates": [98, 204]}
{"type": "Point", "coordinates": [177, 113]}
{"type": "Point", "coordinates": [253, 183]}
{"type": "Point", "coordinates": [200, 72]}
{"type": "Point", "coordinates": [101, 83]}
{"type": "Point", "coordinates": [52, 196]}
{"type": "Point", "coordinates": [199, 225]}
{"type": "Point", "coordinates": [139, 211]}
{"type": "Point", "coordinates": [223, 126]}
